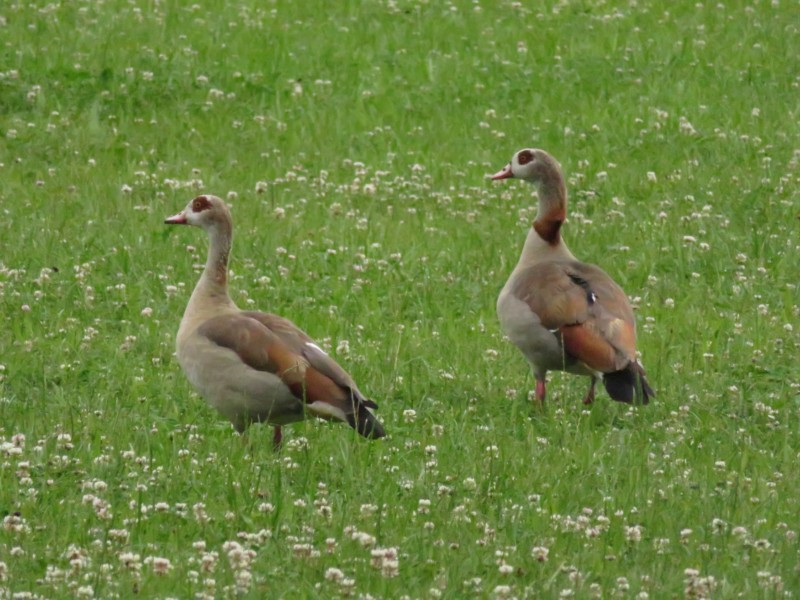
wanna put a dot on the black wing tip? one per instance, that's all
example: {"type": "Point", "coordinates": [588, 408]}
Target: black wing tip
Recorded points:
{"type": "Point", "coordinates": [365, 423]}
{"type": "Point", "coordinates": [629, 385]}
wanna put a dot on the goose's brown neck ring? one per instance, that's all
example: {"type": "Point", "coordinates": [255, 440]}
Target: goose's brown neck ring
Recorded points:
{"type": "Point", "coordinates": [552, 209]}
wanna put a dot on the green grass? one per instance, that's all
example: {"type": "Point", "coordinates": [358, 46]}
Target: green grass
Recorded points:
{"type": "Point", "coordinates": [374, 125]}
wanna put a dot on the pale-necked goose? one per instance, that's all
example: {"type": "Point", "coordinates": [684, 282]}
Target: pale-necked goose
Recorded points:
{"type": "Point", "coordinates": [252, 366]}
{"type": "Point", "coordinates": [565, 315]}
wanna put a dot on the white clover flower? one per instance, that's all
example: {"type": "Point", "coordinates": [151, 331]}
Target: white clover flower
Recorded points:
{"type": "Point", "coordinates": [385, 559]}
{"type": "Point", "coordinates": [718, 526]}
{"type": "Point", "coordinates": [762, 545]}
{"type": "Point", "coordinates": [633, 533]}
{"type": "Point", "coordinates": [505, 569]}
{"type": "Point", "coordinates": [160, 565]}
{"type": "Point", "coordinates": [502, 591]}
{"type": "Point", "coordinates": [130, 561]}
{"type": "Point", "coordinates": [540, 553]}
{"type": "Point", "coordinates": [365, 539]}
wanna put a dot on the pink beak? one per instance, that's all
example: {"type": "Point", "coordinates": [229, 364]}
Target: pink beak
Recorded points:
{"type": "Point", "coordinates": [179, 219]}
{"type": "Point", "coordinates": [504, 174]}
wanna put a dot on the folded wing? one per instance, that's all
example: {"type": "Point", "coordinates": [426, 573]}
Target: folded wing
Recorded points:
{"type": "Point", "coordinates": [269, 343]}
{"type": "Point", "coordinates": [585, 308]}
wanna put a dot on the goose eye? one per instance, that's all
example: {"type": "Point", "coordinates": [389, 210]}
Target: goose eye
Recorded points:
{"type": "Point", "coordinates": [525, 157]}
{"type": "Point", "coordinates": [200, 204]}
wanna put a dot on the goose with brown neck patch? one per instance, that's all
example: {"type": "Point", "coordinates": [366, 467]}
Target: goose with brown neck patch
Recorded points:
{"type": "Point", "coordinates": [563, 314]}
{"type": "Point", "coordinates": [253, 366]}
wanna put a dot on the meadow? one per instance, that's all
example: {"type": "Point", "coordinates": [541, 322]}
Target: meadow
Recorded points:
{"type": "Point", "coordinates": [353, 141]}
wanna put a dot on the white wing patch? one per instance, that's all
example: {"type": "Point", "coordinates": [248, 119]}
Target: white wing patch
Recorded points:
{"type": "Point", "coordinates": [614, 326]}
{"type": "Point", "coordinates": [317, 348]}
{"type": "Point", "coordinates": [326, 411]}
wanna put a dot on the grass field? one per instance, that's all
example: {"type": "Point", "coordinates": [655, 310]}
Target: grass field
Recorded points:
{"type": "Point", "coordinates": [353, 141]}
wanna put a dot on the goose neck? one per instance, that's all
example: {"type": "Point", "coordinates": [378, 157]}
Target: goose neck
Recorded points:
{"type": "Point", "coordinates": [213, 285]}
{"type": "Point", "coordinates": [552, 209]}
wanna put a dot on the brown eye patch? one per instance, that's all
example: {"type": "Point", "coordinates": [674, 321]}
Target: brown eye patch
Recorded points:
{"type": "Point", "coordinates": [525, 157]}
{"type": "Point", "coordinates": [200, 204]}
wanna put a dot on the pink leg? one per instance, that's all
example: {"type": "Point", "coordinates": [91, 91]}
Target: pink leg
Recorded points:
{"type": "Point", "coordinates": [277, 438]}
{"type": "Point", "coordinates": [590, 394]}
{"type": "Point", "coordinates": [540, 390]}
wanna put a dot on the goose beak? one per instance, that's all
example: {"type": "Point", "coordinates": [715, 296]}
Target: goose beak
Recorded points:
{"type": "Point", "coordinates": [505, 173]}
{"type": "Point", "coordinates": [179, 219]}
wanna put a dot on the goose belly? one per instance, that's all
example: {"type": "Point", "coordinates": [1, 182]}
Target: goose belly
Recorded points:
{"type": "Point", "coordinates": [237, 391]}
{"type": "Point", "coordinates": [541, 346]}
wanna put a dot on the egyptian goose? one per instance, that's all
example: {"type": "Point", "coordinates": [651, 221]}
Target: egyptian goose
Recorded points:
{"type": "Point", "coordinates": [253, 366]}
{"type": "Point", "coordinates": [565, 315]}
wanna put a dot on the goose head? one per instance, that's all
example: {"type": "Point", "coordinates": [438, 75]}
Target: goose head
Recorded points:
{"type": "Point", "coordinates": [206, 211]}
{"type": "Point", "coordinates": [531, 164]}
